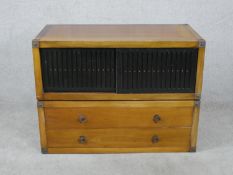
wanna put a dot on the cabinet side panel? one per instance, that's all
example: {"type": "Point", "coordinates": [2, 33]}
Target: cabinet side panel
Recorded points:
{"type": "Point", "coordinates": [43, 138]}
{"type": "Point", "coordinates": [200, 67]}
{"type": "Point", "coordinates": [37, 73]}
{"type": "Point", "coordinates": [194, 130]}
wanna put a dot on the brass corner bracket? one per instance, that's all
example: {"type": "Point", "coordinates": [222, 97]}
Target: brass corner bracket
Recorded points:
{"type": "Point", "coordinates": [44, 151]}
{"type": "Point", "coordinates": [35, 43]}
{"type": "Point", "coordinates": [40, 104]}
{"type": "Point", "coordinates": [202, 43]}
{"type": "Point", "coordinates": [198, 103]}
{"type": "Point", "coordinates": [192, 149]}
{"type": "Point", "coordinates": [198, 96]}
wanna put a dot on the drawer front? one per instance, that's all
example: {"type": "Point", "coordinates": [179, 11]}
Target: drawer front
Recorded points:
{"type": "Point", "coordinates": [119, 138]}
{"type": "Point", "coordinates": [117, 117]}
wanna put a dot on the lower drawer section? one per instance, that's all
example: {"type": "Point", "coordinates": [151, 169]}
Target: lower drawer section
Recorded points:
{"type": "Point", "coordinates": [118, 126]}
{"type": "Point", "coordinates": [119, 138]}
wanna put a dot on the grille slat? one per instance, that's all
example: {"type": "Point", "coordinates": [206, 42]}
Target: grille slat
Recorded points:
{"type": "Point", "coordinates": [193, 69]}
{"type": "Point", "coordinates": [173, 76]}
{"type": "Point", "coordinates": [181, 70]}
{"type": "Point", "coordinates": [113, 69]}
{"type": "Point", "coordinates": [50, 69]}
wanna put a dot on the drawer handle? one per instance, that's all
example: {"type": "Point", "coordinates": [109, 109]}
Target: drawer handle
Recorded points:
{"type": "Point", "coordinates": [82, 140]}
{"type": "Point", "coordinates": [82, 119]}
{"type": "Point", "coordinates": [155, 139]}
{"type": "Point", "coordinates": [156, 118]}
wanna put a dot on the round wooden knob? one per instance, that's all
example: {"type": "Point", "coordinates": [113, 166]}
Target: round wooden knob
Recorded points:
{"type": "Point", "coordinates": [82, 119]}
{"type": "Point", "coordinates": [82, 140]}
{"type": "Point", "coordinates": [155, 139]}
{"type": "Point", "coordinates": [156, 118]}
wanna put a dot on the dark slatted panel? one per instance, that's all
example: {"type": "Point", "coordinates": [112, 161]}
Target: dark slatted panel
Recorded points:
{"type": "Point", "coordinates": [138, 70]}
{"type": "Point", "coordinates": [78, 70]}
{"type": "Point", "coordinates": [156, 70]}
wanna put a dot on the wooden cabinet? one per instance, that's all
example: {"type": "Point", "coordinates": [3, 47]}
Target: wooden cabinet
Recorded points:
{"type": "Point", "coordinates": [118, 88]}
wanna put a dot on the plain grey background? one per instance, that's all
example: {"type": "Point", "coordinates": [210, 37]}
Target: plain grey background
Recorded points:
{"type": "Point", "coordinates": [21, 20]}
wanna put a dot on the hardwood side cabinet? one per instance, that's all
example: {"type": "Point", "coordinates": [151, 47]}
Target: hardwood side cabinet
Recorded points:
{"type": "Point", "coordinates": [118, 88]}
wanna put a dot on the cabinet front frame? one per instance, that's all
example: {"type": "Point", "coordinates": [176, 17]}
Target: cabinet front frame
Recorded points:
{"type": "Point", "coordinates": [75, 104]}
{"type": "Point", "coordinates": [41, 95]}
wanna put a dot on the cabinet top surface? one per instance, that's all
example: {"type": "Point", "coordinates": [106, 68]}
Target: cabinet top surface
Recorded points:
{"type": "Point", "coordinates": [115, 35]}
{"type": "Point", "coordinates": [133, 32]}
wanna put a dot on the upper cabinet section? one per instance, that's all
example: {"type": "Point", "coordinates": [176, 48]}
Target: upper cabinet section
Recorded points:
{"type": "Point", "coordinates": [118, 62]}
{"type": "Point", "coordinates": [118, 36]}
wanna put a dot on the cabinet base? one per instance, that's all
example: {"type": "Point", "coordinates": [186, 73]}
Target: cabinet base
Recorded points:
{"type": "Point", "coordinates": [115, 150]}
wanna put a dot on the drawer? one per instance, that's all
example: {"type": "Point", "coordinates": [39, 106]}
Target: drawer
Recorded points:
{"type": "Point", "coordinates": [119, 138]}
{"type": "Point", "coordinates": [114, 116]}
